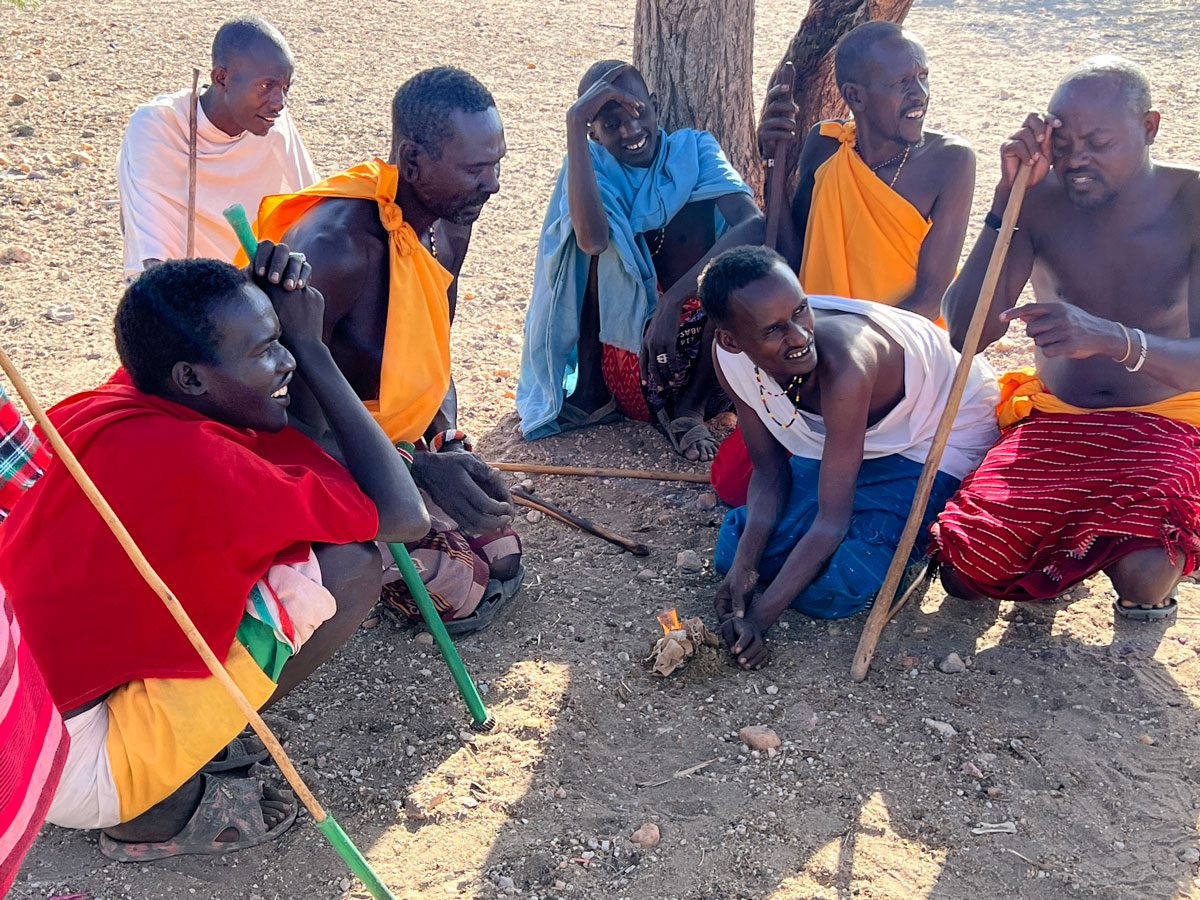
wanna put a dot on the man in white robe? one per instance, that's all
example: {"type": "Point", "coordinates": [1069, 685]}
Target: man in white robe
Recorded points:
{"type": "Point", "coordinates": [246, 148]}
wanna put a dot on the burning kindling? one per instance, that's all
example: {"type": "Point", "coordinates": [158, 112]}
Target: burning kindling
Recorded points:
{"type": "Point", "coordinates": [679, 643]}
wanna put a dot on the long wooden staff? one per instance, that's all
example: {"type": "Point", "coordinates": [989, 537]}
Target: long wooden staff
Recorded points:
{"type": "Point", "coordinates": [324, 822]}
{"type": "Point", "coordinates": [776, 176]}
{"type": "Point", "coordinates": [883, 610]}
{"type": "Point", "coordinates": [595, 472]}
{"type": "Point", "coordinates": [524, 498]}
{"type": "Point", "coordinates": [191, 200]}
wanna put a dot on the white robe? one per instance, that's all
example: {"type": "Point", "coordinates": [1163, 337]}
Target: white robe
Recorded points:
{"type": "Point", "coordinates": [929, 364]}
{"type": "Point", "coordinates": [152, 174]}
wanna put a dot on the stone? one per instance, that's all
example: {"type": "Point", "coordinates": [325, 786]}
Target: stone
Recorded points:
{"type": "Point", "coordinates": [772, 689]}
{"type": "Point", "coordinates": [707, 501]}
{"type": "Point", "coordinates": [15, 254]}
{"type": "Point", "coordinates": [689, 561]}
{"type": "Point", "coordinates": [647, 837]}
{"type": "Point", "coordinates": [952, 665]}
{"type": "Point", "coordinates": [943, 729]}
{"type": "Point", "coordinates": [969, 768]}
{"type": "Point", "coordinates": [16, 100]}
{"type": "Point", "coordinates": [79, 158]}
{"type": "Point", "coordinates": [424, 639]}
{"type": "Point", "coordinates": [506, 884]}
{"type": "Point", "coordinates": [53, 75]}
{"type": "Point", "coordinates": [60, 314]}
{"type": "Point", "coordinates": [1147, 740]}
{"type": "Point", "coordinates": [1189, 855]}
{"type": "Point", "coordinates": [24, 130]}
{"type": "Point", "coordinates": [759, 737]}
{"type": "Point", "coordinates": [534, 516]}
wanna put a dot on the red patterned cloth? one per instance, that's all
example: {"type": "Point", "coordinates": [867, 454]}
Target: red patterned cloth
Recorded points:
{"type": "Point", "coordinates": [33, 747]}
{"type": "Point", "coordinates": [731, 469]}
{"type": "Point", "coordinates": [1063, 496]}
{"type": "Point", "coordinates": [23, 458]}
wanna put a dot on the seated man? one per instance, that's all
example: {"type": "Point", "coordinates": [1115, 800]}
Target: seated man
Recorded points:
{"type": "Point", "coordinates": [246, 147]}
{"type": "Point", "coordinates": [387, 241]}
{"type": "Point", "coordinates": [852, 391]}
{"type": "Point", "coordinates": [635, 215]}
{"type": "Point", "coordinates": [880, 211]}
{"type": "Point", "coordinates": [1099, 466]}
{"type": "Point", "coordinates": [257, 531]}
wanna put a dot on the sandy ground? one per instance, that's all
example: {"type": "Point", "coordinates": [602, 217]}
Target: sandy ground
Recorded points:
{"type": "Point", "coordinates": [1081, 733]}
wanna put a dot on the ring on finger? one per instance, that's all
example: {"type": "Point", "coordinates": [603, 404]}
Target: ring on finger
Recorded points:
{"type": "Point", "coordinates": [662, 357]}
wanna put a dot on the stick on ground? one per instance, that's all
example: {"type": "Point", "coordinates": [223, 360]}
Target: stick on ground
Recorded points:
{"type": "Point", "coordinates": [524, 498]}
{"type": "Point", "coordinates": [595, 472]}
{"type": "Point", "coordinates": [884, 609]}
{"type": "Point", "coordinates": [324, 822]}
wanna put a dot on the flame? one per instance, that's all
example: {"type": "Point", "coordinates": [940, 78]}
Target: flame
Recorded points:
{"type": "Point", "coordinates": [669, 620]}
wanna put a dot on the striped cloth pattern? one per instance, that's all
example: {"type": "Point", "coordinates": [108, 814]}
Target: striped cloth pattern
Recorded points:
{"type": "Point", "coordinates": [1062, 497]}
{"type": "Point", "coordinates": [23, 458]}
{"type": "Point", "coordinates": [33, 747]}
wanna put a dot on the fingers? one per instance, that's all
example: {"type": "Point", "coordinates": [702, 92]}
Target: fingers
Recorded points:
{"type": "Point", "coordinates": [1027, 312]}
{"type": "Point", "coordinates": [262, 257]}
{"type": "Point", "coordinates": [296, 272]}
{"type": "Point", "coordinates": [784, 80]}
{"type": "Point", "coordinates": [755, 658]}
{"type": "Point", "coordinates": [277, 264]}
{"type": "Point", "coordinates": [739, 602]}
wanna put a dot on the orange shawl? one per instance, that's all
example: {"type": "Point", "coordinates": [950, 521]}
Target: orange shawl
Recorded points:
{"type": "Point", "coordinates": [1022, 393]}
{"type": "Point", "coordinates": [416, 345]}
{"type": "Point", "coordinates": [862, 239]}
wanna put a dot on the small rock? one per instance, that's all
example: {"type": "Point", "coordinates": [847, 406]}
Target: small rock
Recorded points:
{"type": "Point", "coordinates": [647, 837]}
{"type": "Point", "coordinates": [344, 884]}
{"type": "Point", "coordinates": [921, 629]}
{"type": "Point", "coordinates": [689, 561]}
{"type": "Point", "coordinates": [53, 75]}
{"type": "Point", "coordinates": [944, 729]}
{"type": "Point", "coordinates": [424, 639]}
{"type": "Point", "coordinates": [1189, 855]}
{"type": "Point", "coordinates": [370, 622]}
{"type": "Point", "coordinates": [969, 768]}
{"type": "Point", "coordinates": [79, 158]}
{"type": "Point", "coordinates": [25, 130]}
{"type": "Point", "coordinates": [772, 689]}
{"type": "Point", "coordinates": [707, 501]}
{"type": "Point", "coordinates": [952, 665]}
{"type": "Point", "coordinates": [506, 884]}
{"type": "Point", "coordinates": [16, 100]}
{"type": "Point", "coordinates": [908, 661]}
{"type": "Point", "coordinates": [15, 254]}
{"type": "Point", "coordinates": [470, 802]}
{"type": "Point", "coordinates": [410, 750]}
{"type": "Point", "coordinates": [759, 737]}
{"type": "Point", "coordinates": [560, 793]}
{"type": "Point", "coordinates": [646, 575]}
{"type": "Point", "coordinates": [560, 885]}
{"type": "Point", "coordinates": [534, 516]}
{"type": "Point", "coordinates": [60, 314]}
{"type": "Point", "coordinates": [1147, 740]}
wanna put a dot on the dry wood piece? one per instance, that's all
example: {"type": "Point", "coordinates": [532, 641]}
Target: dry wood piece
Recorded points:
{"type": "Point", "coordinates": [596, 472]}
{"type": "Point", "coordinates": [524, 498]}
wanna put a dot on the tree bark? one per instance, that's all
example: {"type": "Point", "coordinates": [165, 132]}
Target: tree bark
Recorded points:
{"type": "Point", "coordinates": [697, 55]}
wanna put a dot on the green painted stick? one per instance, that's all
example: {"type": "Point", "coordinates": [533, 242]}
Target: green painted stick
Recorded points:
{"type": "Point", "coordinates": [481, 720]}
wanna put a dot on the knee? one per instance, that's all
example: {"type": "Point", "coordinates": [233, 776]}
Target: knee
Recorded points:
{"type": "Point", "coordinates": [353, 573]}
{"type": "Point", "coordinates": [1145, 576]}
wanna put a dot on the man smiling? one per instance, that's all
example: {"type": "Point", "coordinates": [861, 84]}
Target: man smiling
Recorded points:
{"type": "Point", "coordinates": [852, 392]}
{"type": "Point", "coordinates": [614, 324]}
{"type": "Point", "coordinates": [246, 147]}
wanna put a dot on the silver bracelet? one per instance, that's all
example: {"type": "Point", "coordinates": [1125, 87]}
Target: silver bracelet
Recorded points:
{"type": "Point", "coordinates": [1143, 350]}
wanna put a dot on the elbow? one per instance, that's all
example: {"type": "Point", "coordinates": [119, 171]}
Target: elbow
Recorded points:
{"type": "Point", "coordinates": [592, 246]}
{"type": "Point", "coordinates": [403, 523]}
{"type": "Point", "coordinates": [830, 532]}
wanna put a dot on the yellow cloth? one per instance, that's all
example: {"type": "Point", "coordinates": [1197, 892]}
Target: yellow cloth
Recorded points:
{"type": "Point", "coordinates": [162, 731]}
{"type": "Point", "coordinates": [416, 345]}
{"type": "Point", "coordinates": [1022, 392]}
{"type": "Point", "coordinates": [862, 239]}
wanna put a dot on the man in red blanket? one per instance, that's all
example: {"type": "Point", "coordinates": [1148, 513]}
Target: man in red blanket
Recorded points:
{"type": "Point", "coordinates": [1100, 466]}
{"type": "Point", "coordinates": [261, 534]}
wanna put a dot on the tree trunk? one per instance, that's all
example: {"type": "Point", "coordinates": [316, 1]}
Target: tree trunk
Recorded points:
{"type": "Point", "coordinates": [697, 55]}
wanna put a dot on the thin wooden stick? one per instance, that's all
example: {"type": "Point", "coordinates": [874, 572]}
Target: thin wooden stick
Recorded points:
{"type": "Point", "coordinates": [594, 472]}
{"type": "Point", "coordinates": [191, 200]}
{"type": "Point", "coordinates": [524, 498]}
{"type": "Point", "coordinates": [884, 609]}
{"type": "Point", "coordinates": [776, 182]}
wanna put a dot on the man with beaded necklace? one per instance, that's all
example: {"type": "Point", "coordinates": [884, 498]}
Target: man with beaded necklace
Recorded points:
{"type": "Point", "coordinates": [838, 400]}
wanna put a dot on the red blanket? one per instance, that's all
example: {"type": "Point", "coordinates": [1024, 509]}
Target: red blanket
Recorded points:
{"type": "Point", "coordinates": [1062, 497]}
{"type": "Point", "coordinates": [213, 507]}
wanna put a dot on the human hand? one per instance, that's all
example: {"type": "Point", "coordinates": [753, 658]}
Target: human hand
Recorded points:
{"type": "Point", "coordinates": [745, 643]}
{"type": "Point", "coordinates": [659, 343]}
{"type": "Point", "coordinates": [734, 594]}
{"type": "Point", "coordinates": [284, 277]}
{"type": "Point", "coordinates": [777, 130]}
{"type": "Point", "coordinates": [1064, 330]}
{"type": "Point", "coordinates": [1030, 145]}
{"type": "Point", "coordinates": [600, 94]}
{"type": "Point", "coordinates": [467, 488]}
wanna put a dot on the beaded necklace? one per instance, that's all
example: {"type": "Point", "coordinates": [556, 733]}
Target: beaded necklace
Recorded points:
{"type": "Point", "coordinates": [432, 243]}
{"type": "Point", "coordinates": [658, 241]}
{"type": "Point", "coordinates": [792, 388]}
{"type": "Point", "coordinates": [902, 156]}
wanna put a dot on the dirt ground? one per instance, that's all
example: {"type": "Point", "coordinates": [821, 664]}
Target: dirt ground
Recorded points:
{"type": "Point", "coordinates": [1081, 733]}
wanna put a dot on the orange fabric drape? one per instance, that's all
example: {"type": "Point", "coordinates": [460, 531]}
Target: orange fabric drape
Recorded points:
{"type": "Point", "coordinates": [416, 346]}
{"type": "Point", "coordinates": [1022, 393]}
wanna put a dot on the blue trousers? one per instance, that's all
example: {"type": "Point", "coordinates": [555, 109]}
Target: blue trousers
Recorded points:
{"type": "Point", "coordinates": [853, 575]}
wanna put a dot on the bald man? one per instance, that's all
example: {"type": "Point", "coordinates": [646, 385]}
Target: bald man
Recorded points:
{"type": "Point", "coordinates": [246, 147]}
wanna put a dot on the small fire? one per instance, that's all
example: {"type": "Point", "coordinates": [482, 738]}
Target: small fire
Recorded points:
{"type": "Point", "coordinates": [669, 620]}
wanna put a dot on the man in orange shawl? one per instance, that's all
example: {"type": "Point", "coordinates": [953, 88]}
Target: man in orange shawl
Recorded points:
{"type": "Point", "coordinates": [880, 210]}
{"type": "Point", "coordinates": [386, 241]}
{"type": "Point", "coordinates": [1100, 467]}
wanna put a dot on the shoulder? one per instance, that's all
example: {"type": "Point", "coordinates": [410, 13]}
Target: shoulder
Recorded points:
{"type": "Point", "coordinates": [156, 118]}
{"type": "Point", "coordinates": [819, 147]}
{"type": "Point", "coordinates": [343, 240]}
{"type": "Point", "coordinates": [952, 156]}
{"type": "Point", "coordinates": [1184, 181]}
{"type": "Point", "coordinates": [845, 346]}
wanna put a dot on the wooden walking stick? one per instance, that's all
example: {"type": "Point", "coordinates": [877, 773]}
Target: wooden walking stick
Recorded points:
{"type": "Point", "coordinates": [524, 498]}
{"type": "Point", "coordinates": [776, 176]}
{"type": "Point", "coordinates": [883, 610]}
{"type": "Point", "coordinates": [325, 823]}
{"type": "Point", "coordinates": [594, 472]}
{"type": "Point", "coordinates": [191, 200]}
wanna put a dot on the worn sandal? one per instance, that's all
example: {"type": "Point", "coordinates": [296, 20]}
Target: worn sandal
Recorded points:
{"type": "Point", "coordinates": [226, 803]}
{"type": "Point", "coordinates": [495, 596]}
{"type": "Point", "coordinates": [686, 433]}
{"type": "Point", "coordinates": [1149, 613]}
{"type": "Point", "coordinates": [237, 756]}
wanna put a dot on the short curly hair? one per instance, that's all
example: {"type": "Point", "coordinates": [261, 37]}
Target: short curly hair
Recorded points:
{"type": "Point", "coordinates": [731, 271]}
{"type": "Point", "coordinates": [422, 106]}
{"type": "Point", "coordinates": [166, 316]}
